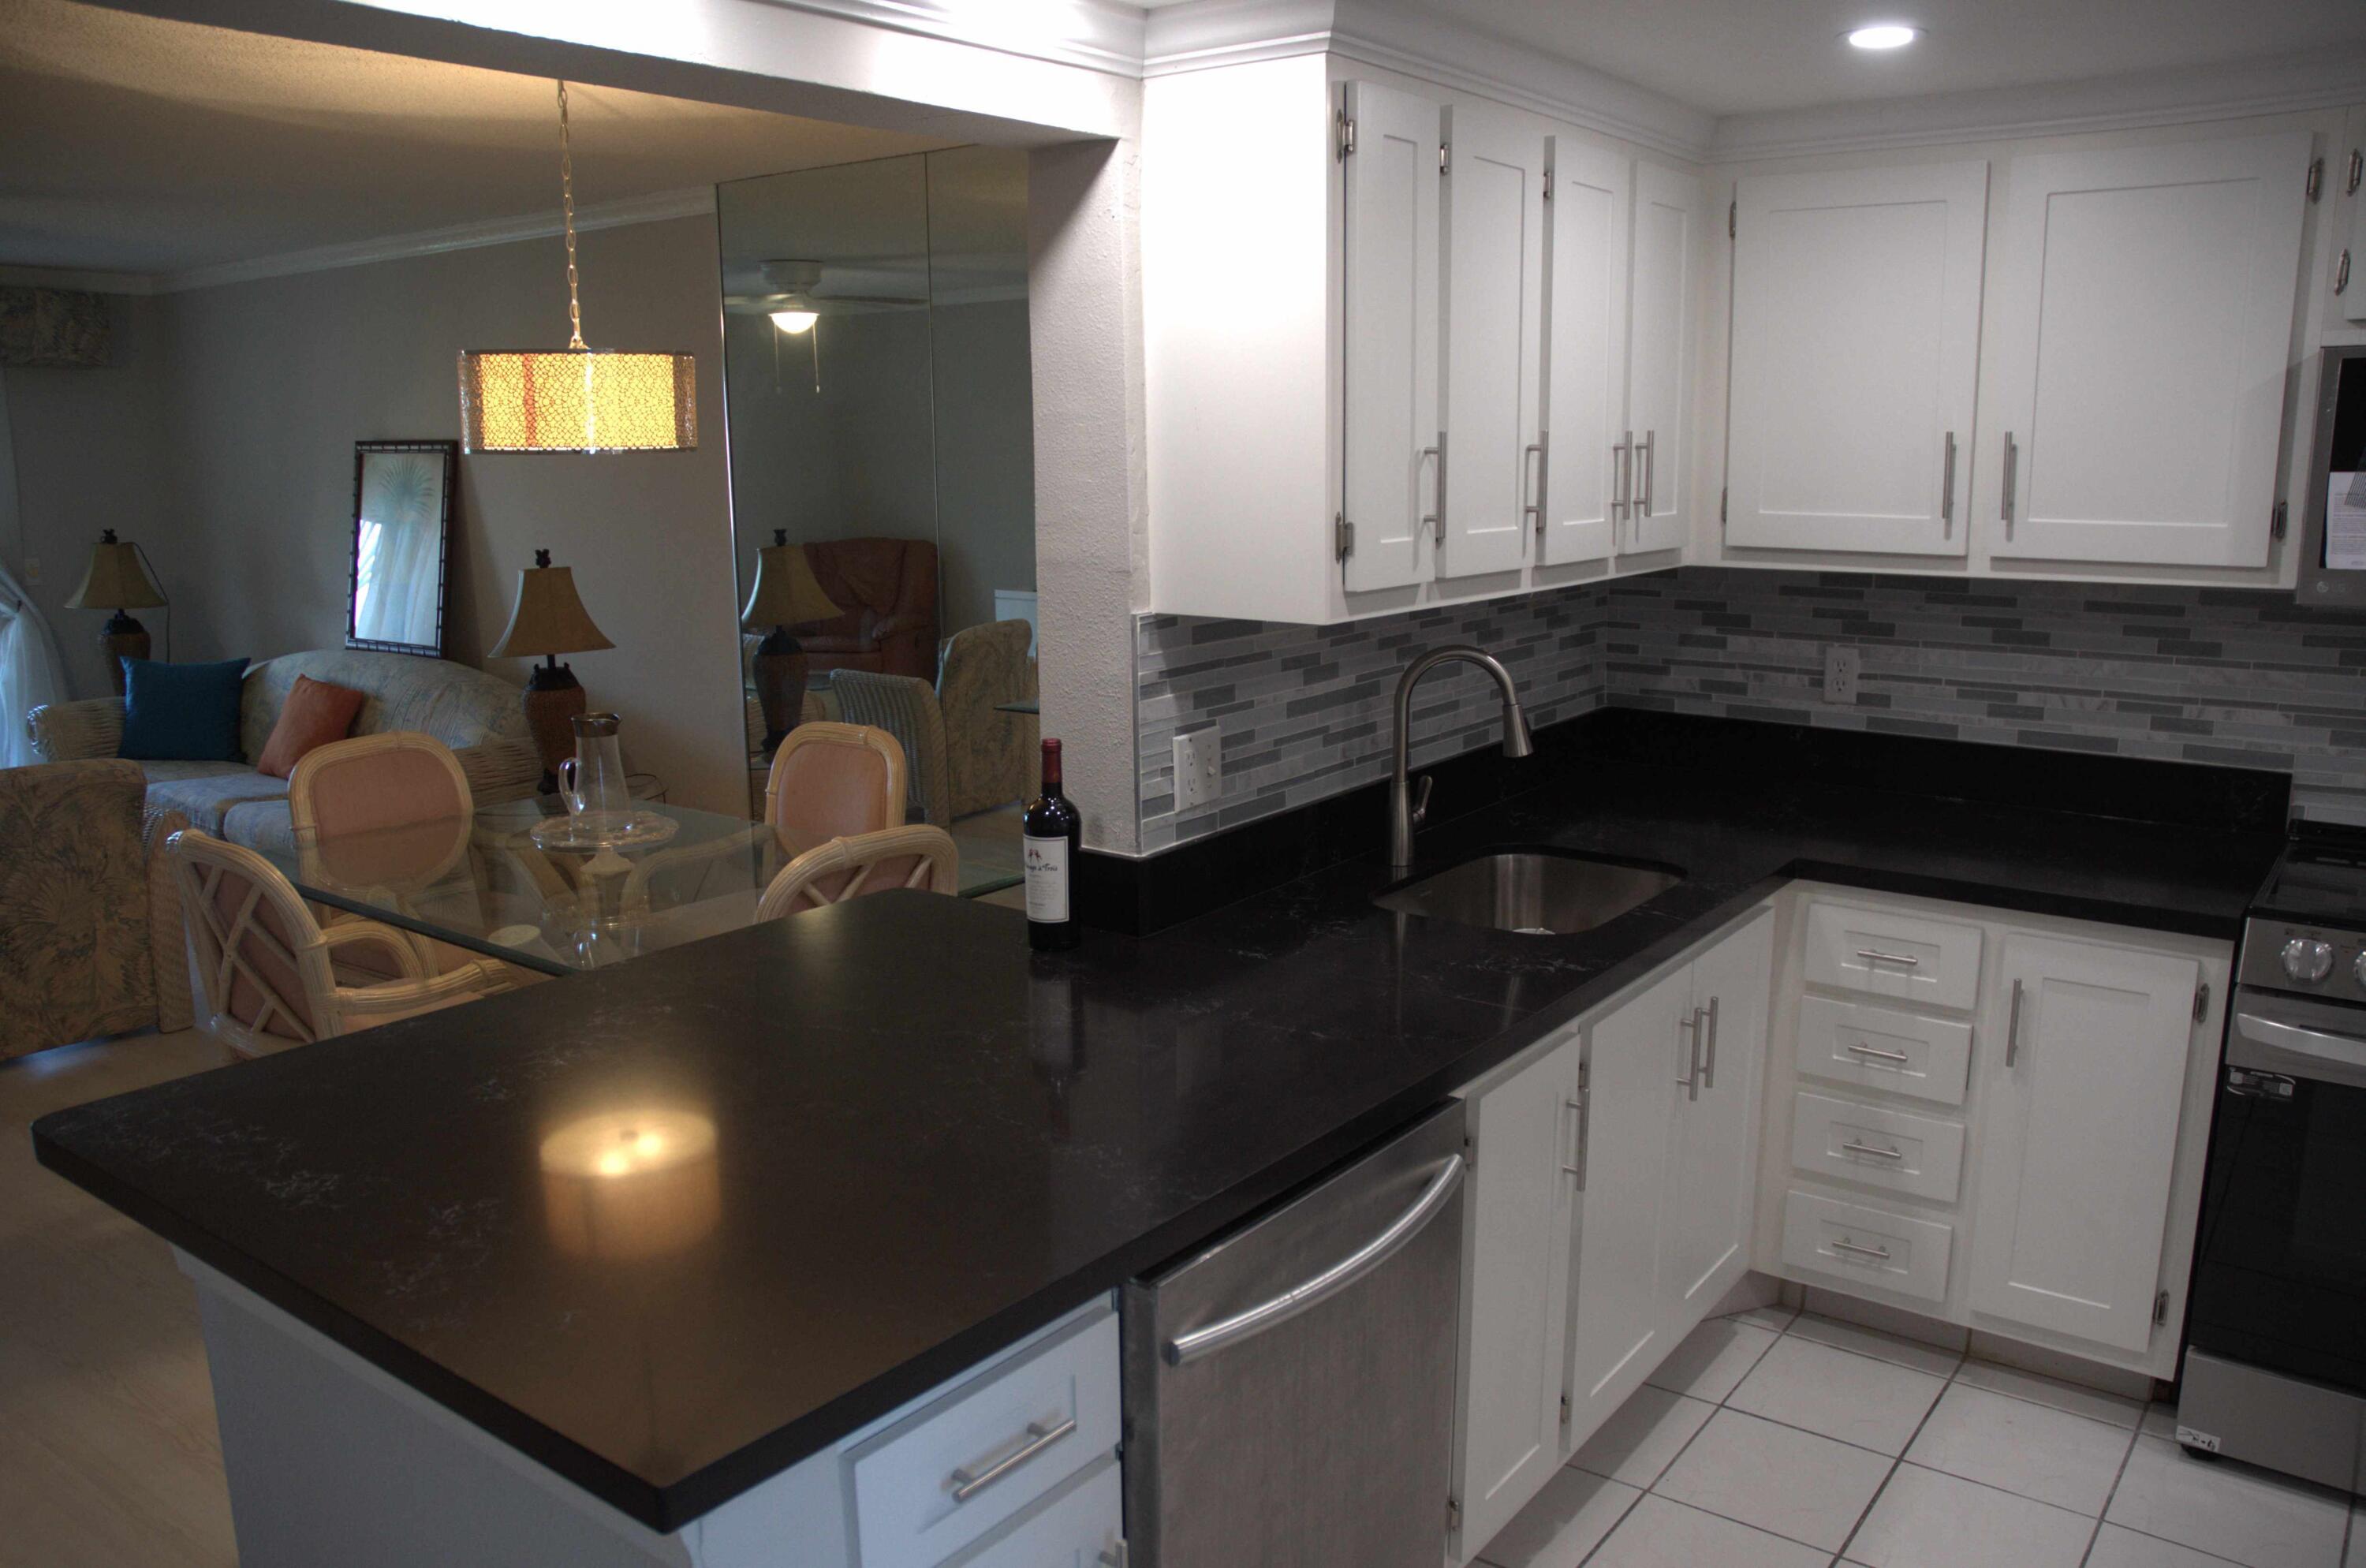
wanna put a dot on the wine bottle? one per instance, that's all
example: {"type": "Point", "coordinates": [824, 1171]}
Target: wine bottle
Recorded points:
{"type": "Point", "coordinates": [1050, 832]}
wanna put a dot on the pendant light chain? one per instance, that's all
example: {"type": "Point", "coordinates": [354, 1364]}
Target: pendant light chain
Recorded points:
{"type": "Point", "coordinates": [566, 201]}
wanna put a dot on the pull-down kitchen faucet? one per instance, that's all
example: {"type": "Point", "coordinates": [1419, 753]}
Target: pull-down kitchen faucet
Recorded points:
{"type": "Point", "coordinates": [1405, 814]}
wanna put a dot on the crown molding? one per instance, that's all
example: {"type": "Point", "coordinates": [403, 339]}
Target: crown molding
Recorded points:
{"type": "Point", "coordinates": [1204, 34]}
{"type": "Point", "coordinates": [2290, 85]}
{"type": "Point", "coordinates": [1096, 35]}
{"type": "Point", "coordinates": [695, 202]}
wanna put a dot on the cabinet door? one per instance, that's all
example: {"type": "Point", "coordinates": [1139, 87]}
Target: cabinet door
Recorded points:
{"type": "Point", "coordinates": [1515, 1303]}
{"type": "Point", "coordinates": [1616, 1319]}
{"type": "Point", "coordinates": [2144, 308]}
{"type": "Point", "coordinates": [1856, 317]}
{"type": "Point", "coordinates": [1389, 323]}
{"type": "Point", "coordinates": [1494, 253]}
{"type": "Point", "coordinates": [1586, 336]}
{"type": "Point", "coordinates": [1668, 212]}
{"type": "Point", "coordinates": [1711, 1187]}
{"type": "Point", "coordinates": [2083, 1093]}
{"type": "Point", "coordinates": [2346, 169]}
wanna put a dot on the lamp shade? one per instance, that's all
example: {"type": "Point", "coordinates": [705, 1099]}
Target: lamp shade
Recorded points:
{"type": "Point", "coordinates": [786, 593]}
{"type": "Point", "coordinates": [116, 580]}
{"type": "Point", "coordinates": [578, 401]}
{"type": "Point", "coordinates": [547, 618]}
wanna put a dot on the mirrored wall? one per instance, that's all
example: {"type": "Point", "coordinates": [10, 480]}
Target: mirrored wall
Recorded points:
{"type": "Point", "coordinates": [883, 485]}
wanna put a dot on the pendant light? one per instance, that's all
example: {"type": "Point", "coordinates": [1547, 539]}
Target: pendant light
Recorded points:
{"type": "Point", "coordinates": [576, 398]}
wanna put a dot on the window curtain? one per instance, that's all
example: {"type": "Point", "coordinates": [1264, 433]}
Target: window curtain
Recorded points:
{"type": "Point", "coordinates": [30, 671]}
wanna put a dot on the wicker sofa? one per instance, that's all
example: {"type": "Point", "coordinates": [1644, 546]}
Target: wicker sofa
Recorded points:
{"type": "Point", "coordinates": [475, 714]}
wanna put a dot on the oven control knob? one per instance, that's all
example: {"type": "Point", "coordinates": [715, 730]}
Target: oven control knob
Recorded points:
{"type": "Point", "coordinates": [2307, 962]}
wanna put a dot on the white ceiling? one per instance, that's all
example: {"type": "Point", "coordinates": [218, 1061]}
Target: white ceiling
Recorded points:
{"type": "Point", "coordinates": [1731, 57]}
{"type": "Point", "coordinates": [132, 144]}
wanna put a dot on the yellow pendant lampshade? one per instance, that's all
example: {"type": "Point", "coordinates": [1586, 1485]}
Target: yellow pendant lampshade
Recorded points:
{"type": "Point", "coordinates": [577, 398]}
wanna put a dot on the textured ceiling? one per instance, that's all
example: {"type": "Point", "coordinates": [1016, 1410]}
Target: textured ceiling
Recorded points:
{"type": "Point", "coordinates": [134, 144]}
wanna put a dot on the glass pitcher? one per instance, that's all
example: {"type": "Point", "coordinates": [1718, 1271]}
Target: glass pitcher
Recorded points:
{"type": "Point", "coordinates": [592, 782]}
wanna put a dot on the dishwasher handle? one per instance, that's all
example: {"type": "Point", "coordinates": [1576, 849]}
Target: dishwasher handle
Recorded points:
{"type": "Point", "coordinates": [1185, 1348]}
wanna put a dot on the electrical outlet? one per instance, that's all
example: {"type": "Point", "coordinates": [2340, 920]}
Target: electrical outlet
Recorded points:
{"type": "Point", "coordinates": [1198, 768]}
{"type": "Point", "coordinates": [1841, 665]}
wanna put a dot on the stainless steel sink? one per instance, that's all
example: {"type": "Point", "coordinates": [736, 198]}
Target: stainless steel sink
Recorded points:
{"type": "Point", "coordinates": [1537, 892]}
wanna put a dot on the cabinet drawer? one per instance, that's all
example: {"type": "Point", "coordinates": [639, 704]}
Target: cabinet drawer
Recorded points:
{"type": "Point", "coordinates": [1920, 1156]}
{"type": "Point", "coordinates": [1061, 1400]}
{"type": "Point", "coordinates": [1079, 1528]}
{"type": "Point", "coordinates": [1872, 1246]}
{"type": "Point", "coordinates": [1929, 963]}
{"type": "Point", "coordinates": [1879, 1047]}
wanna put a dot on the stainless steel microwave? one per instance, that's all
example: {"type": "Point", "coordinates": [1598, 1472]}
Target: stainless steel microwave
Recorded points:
{"type": "Point", "coordinates": [2332, 542]}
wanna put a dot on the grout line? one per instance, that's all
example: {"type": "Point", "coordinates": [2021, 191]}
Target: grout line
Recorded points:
{"type": "Point", "coordinates": [1653, 1490]}
{"type": "Point", "coordinates": [1899, 1459]}
{"type": "Point", "coordinates": [2117, 1476]}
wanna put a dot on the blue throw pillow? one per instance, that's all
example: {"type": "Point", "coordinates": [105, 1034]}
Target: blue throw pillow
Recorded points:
{"type": "Point", "coordinates": [181, 713]}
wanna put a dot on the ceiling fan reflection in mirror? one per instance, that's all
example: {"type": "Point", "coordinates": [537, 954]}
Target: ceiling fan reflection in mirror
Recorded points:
{"type": "Point", "coordinates": [796, 294]}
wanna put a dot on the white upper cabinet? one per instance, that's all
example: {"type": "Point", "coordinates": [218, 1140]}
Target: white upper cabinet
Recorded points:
{"type": "Point", "coordinates": [2086, 1082]}
{"type": "Point", "coordinates": [2144, 308]}
{"type": "Point", "coordinates": [2345, 174]}
{"type": "Point", "coordinates": [1856, 314]}
{"type": "Point", "coordinates": [1585, 400]}
{"type": "Point", "coordinates": [1494, 219]}
{"type": "Point", "coordinates": [1667, 249]}
{"type": "Point", "coordinates": [1389, 322]}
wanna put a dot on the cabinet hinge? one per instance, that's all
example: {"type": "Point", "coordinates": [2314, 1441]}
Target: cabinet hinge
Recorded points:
{"type": "Point", "coordinates": [1720, 504]}
{"type": "Point", "coordinates": [2316, 178]}
{"type": "Point", "coordinates": [2161, 1309]}
{"type": "Point", "coordinates": [1344, 536]}
{"type": "Point", "coordinates": [1732, 218]}
{"type": "Point", "coordinates": [2276, 522]}
{"type": "Point", "coordinates": [1453, 1514]}
{"type": "Point", "coordinates": [1347, 137]}
{"type": "Point", "coordinates": [2201, 1001]}
{"type": "Point", "coordinates": [2357, 167]}
{"type": "Point", "coordinates": [1445, 157]}
{"type": "Point", "coordinates": [1548, 184]}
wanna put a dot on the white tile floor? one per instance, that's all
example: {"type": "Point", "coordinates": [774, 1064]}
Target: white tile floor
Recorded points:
{"type": "Point", "coordinates": [1770, 1440]}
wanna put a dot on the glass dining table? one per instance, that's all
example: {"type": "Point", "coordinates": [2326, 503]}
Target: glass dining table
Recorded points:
{"type": "Point", "coordinates": [484, 884]}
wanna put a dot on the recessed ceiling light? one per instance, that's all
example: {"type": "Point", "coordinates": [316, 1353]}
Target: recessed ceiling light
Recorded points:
{"type": "Point", "coordinates": [1884, 35]}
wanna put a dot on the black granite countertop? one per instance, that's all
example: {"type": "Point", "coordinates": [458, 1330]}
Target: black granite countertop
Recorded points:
{"type": "Point", "coordinates": [927, 1143]}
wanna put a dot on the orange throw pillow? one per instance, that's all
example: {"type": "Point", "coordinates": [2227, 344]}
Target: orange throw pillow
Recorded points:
{"type": "Point", "coordinates": [315, 713]}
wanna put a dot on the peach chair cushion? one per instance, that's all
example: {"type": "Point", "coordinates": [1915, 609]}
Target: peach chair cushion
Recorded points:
{"type": "Point", "coordinates": [386, 788]}
{"type": "Point", "coordinates": [246, 1002]}
{"type": "Point", "coordinates": [836, 781]}
{"type": "Point", "coordinates": [315, 713]}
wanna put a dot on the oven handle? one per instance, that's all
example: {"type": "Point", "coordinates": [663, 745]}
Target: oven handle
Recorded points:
{"type": "Point", "coordinates": [2346, 1054]}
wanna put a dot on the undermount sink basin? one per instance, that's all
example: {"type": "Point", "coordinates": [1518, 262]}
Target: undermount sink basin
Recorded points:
{"type": "Point", "coordinates": [1542, 893]}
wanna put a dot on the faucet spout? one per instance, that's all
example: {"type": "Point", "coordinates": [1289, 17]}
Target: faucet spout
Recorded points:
{"type": "Point", "coordinates": [1404, 813]}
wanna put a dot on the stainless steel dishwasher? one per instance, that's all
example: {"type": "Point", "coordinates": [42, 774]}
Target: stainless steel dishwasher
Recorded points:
{"type": "Point", "coordinates": [1290, 1389]}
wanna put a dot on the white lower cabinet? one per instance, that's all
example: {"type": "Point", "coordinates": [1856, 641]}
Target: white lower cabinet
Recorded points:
{"type": "Point", "coordinates": [2081, 1137]}
{"type": "Point", "coordinates": [2010, 1138]}
{"type": "Point", "coordinates": [1610, 1203]}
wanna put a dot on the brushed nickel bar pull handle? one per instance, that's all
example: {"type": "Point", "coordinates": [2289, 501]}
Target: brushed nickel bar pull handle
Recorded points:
{"type": "Point", "coordinates": [1690, 1027]}
{"type": "Point", "coordinates": [2012, 479]}
{"type": "Point", "coordinates": [1874, 956]}
{"type": "Point", "coordinates": [1618, 478]}
{"type": "Point", "coordinates": [2012, 1027]}
{"type": "Point", "coordinates": [1853, 1147]}
{"type": "Point", "coordinates": [966, 1485]}
{"type": "Point", "coordinates": [1650, 469]}
{"type": "Point", "coordinates": [1440, 518]}
{"type": "Point", "coordinates": [1880, 1254]}
{"type": "Point", "coordinates": [1536, 508]}
{"type": "Point", "coordinates": [1948, 492]}
{"type": "Point", "coordinates": [1708, 1052]}
{"type": "Point", "coordinates": [1434, 517]}
{"type": "Point", "coordinates": [1880, 1054]}
{"type": "Point", "coordinates": [1576, 1165]}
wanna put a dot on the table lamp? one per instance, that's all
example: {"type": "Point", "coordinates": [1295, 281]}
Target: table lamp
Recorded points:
{"type": "Point", "coordinates": [787, 594]}
{"type": "Point", "coordinates": [546, 621]}
{"type": "Point", "coordinates": [116, 582]}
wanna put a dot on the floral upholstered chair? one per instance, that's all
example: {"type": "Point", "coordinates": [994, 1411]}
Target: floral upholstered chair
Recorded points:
{"type": "Point", "coordinates": [90, 932]}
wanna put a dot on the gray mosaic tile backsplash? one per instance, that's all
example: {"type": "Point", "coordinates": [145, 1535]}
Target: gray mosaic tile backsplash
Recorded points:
{"type": "Point", "coordinates": [2209, 676]}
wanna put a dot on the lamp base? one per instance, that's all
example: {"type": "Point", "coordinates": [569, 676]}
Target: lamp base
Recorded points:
{"type": "Point", "coordinates": [780, 674]}
{"type": "Point", "coordinates": [122, 638]}
{"type": "Point", "coordinates": [552, 699]}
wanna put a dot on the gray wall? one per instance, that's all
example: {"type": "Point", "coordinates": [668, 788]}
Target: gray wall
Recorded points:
{"type": "Point", "coordinates": [228, 451]}
{"type": "Point", "coordinates": [986, 456]}
{"type": "Point", "coordinates": [2203, 675]}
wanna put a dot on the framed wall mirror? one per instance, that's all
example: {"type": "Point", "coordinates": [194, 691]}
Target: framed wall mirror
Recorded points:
{"type": "Point", "coordinates": [401, 542]}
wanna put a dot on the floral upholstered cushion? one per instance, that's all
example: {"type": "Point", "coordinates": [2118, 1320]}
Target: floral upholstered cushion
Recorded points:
{"type": "Point", "coordinates": [76, 953]}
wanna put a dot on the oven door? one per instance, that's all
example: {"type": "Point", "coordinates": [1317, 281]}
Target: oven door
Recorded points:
{"type": "Point", "coordinates": [2280, 1271]}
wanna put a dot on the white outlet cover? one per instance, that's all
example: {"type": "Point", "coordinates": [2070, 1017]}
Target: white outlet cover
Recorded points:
{"type": "Point", "coordinates": [1198, 768]}
{"type": "Point", "coordinates": [1842, 664]}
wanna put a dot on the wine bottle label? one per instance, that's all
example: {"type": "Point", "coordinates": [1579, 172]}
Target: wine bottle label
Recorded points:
{"type": "Point", "coordinates": [1047, 879]}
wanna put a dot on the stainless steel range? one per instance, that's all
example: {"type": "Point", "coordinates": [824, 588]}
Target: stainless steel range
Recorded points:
{"type": "Point", "coordinates": [2275, 1364]}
